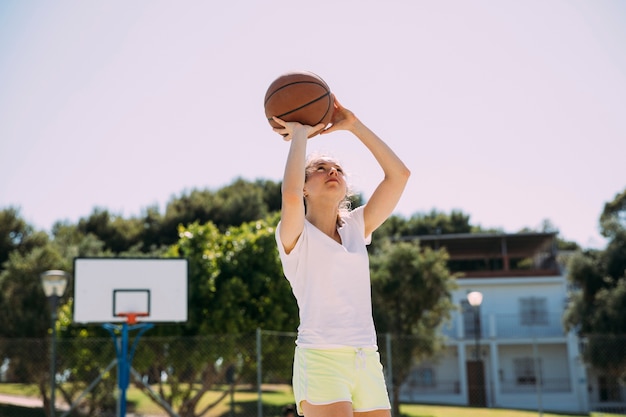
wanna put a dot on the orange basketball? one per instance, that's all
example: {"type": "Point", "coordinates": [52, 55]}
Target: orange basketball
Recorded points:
{"type": "Point", "coordinates": [301, 97]}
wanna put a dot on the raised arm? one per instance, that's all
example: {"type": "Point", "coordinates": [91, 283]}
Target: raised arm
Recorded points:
{"type": "Point", "coordinates": [396, 174]}
{"type": "Point", "coordinates": [292, 209]}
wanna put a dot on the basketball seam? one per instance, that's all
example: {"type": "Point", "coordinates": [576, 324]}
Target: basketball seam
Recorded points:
{"type": "Point", "coordinates": [325, 87]}
{"type": "Point", "coordinates": [303, 106]}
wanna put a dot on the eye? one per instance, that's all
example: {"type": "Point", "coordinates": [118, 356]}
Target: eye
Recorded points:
{"type": "Point", "coordinates": [320, 168]}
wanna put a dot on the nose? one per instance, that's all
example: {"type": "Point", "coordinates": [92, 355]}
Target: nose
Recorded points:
{"type": "Point", "coordinates": [333, 171]}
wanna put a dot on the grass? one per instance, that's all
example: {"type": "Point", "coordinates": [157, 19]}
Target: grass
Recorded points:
{"type": "Point", "coordinates": [598, 414]}
{"type": "Point", "coordinates": [274, 398]}
{"type": "Point", "coordinates": [415, 410]}
{"type": "Point", "coordinates": [245, 400]}
{"type": "Point", "coordinates": [24, 390]}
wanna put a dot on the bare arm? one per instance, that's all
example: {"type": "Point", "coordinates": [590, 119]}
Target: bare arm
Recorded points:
{"type": "Point", "coordinates": [396, 174]}
{"type": "Point", "coordinates": [292, 209]}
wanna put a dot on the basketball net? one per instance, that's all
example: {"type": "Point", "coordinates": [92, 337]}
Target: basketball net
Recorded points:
{"type": "Point", "coordinates": [131, 318]}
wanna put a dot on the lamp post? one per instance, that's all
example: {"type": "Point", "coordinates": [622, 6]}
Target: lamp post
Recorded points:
{"type": "Point", "coordinates": [475, 299]}
{"type": "Point", "coordinates": [54, 283]}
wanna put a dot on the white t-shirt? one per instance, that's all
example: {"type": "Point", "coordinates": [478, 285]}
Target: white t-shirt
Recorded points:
{"type": "Point", "coordinates": [331, 283]}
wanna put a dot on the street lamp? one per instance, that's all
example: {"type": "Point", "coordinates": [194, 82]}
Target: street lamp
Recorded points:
{"type": "Point", "coordinates": [475, 298]}
{"type": "Point", "coordinates": [477, 391]}
{"type": "Point", "coordinates": [54, 283]}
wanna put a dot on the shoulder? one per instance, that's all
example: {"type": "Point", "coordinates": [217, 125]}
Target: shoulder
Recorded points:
{"type": "Point", "coordinates": [298, 244]}
{"type": "Point", "coordinates": [355, 220]}
{"type": "Point", "coordinates": [353, 216]}
{"type": "Point", "coordinates": [354, 212]}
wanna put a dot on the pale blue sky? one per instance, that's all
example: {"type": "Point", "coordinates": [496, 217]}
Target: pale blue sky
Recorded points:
{"type": "Point", "coordinates": [511, 111]}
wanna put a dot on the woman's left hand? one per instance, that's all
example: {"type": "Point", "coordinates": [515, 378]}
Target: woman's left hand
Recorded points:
{"type": "Point", "coordinates": [291, 129]}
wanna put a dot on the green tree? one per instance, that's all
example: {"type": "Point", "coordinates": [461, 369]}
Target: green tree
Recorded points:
{"type": "Point", "coordinates": [24, 313]}
{"type": "Point", "coordinates": [16, 235]}
{"type": "Point", "coordinates": [411, 294]}
{"type": "Point", "coordinates": [419, 224]}
{"type": "Point", "coordinates": [235, 286]}
{"type": "Point", "coordinates": [596, 310]}
{"type": "Point", "coordinates": [437, 222]}
{"type": "Point", "coordinates": [26, 254]}
{"type": "Point", "coordinates": [235, 279]}
{"type": "Point", "coordinates": [548, 227]}
{"type": "Point", "coordinates": [232, 205]}
{"type": "Point", "coordinates": [117, 233]}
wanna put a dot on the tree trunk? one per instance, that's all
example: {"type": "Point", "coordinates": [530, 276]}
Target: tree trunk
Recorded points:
{"type": "Point", "coordinates": [395, 410]}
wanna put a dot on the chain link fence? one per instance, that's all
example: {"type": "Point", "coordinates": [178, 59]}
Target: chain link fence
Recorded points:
{"type": "Point", "coordinates": [607, 377]}
{"type": "Point", "coordinates": [249, 375]}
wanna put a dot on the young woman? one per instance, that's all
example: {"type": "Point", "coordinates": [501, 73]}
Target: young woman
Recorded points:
{"type": "Point", "coordinates": [322, 246]}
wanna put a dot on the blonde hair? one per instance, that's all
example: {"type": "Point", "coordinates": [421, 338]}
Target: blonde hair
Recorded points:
{"type": "Point", "coordinates": [345, 204]}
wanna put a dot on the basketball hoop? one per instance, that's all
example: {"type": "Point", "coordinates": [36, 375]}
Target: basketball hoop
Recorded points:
{"type": "Point", "coordinates": [131, 318]}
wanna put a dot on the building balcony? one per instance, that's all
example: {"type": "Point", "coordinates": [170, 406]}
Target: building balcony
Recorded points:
{"type": "Point", "coordinates": [505, 327]}
{"type": "Point", "coordinates": [413, 389]}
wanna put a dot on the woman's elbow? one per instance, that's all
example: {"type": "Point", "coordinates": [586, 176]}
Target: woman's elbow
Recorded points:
{"type": "Point", "coordinates": [404, 173]}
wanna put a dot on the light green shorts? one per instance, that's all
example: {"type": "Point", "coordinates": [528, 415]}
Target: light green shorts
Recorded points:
{"type": "Point", "coordinates": [326, 376]}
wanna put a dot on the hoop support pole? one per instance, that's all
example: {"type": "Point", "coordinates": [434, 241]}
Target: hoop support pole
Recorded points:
{"type": "Point", "coordinates": [124, 356]}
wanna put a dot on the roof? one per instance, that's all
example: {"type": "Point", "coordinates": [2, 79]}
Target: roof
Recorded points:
{"type": "Point", "coordinates": [487, 245]}
{"type": "Point", "coordinates": [496, 254]}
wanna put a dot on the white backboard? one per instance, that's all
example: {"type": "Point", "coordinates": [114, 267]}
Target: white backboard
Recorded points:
{"type": "Point", "coordinates": [107, 287]}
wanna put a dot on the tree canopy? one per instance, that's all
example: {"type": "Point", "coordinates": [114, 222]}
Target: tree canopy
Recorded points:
{"type": "Point", "coordinates": [411, 295]}
{"type": "Point", "coordinates": [235, 277]}
{"type": "Point", "coordinates": [596, 309]}
{"type": "Point", "coordinates": [152, 233]}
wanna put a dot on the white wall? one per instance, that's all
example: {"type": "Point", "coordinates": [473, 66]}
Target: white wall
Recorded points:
{"type": "Point", "coordinates": [501, 295]}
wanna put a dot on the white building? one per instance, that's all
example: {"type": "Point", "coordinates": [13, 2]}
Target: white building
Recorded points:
{"type": "Point", "coordinates": [527, 360]}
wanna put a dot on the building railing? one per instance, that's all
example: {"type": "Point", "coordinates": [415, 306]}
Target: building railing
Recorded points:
{"type": "Point", "coordinates": [505, 326]}
{"type": "Point", "coordinates": [445, 387]}
{"type": "Point", "coordinates": [512, 386]}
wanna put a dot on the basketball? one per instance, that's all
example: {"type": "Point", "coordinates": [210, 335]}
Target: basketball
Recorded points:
{"type": "Point", "coordinates": [301, 97]}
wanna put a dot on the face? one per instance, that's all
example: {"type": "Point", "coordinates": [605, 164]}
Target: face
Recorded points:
{"type": "Point", "coordinates": [324, 175]}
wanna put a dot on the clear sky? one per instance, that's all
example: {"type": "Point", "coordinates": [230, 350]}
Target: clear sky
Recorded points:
{"type": "Point", "coordinates": [510, 111]}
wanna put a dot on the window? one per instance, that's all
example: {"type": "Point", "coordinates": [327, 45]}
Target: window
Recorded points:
{"type": "Point", "coordinates": [533, 311]}
{"type": "Point", "coordinates": [525, 371]}
{"type": "Point", "coordinates": [424, 377]}
{"type": "Point", "coordinates": [470, 324]}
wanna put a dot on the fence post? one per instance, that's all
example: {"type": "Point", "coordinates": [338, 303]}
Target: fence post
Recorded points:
{"type": "Point", "coordinates": [389, 368]}
{"type": "Point", "coordinates": [259, 372]}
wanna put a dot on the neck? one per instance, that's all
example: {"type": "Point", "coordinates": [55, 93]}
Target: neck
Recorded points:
{"type": "Point", "coordinates": [324, 219]}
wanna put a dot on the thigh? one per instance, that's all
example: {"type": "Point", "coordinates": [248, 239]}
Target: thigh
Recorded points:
{"type": "Point", "coordinates": [338, 409]}
{"type": "Point", "coordinates": [373, 413]}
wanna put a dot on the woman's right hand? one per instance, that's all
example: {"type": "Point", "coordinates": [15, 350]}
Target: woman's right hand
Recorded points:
{"type": "Point", "coordinates": [343, 119]}
{"type": "Point", "coordinates": [289, 130]}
